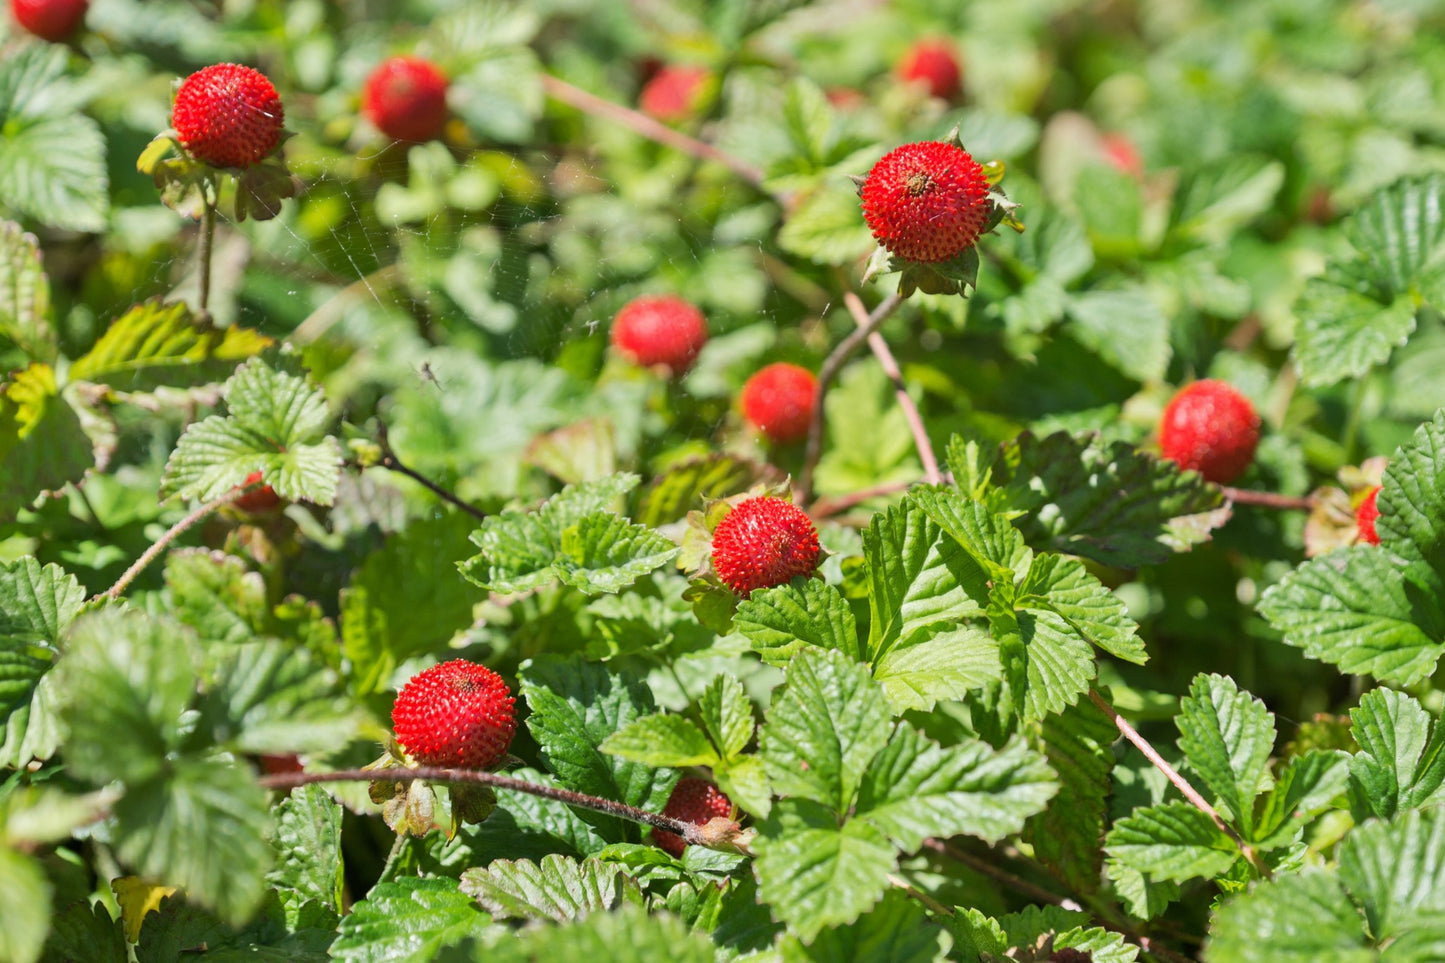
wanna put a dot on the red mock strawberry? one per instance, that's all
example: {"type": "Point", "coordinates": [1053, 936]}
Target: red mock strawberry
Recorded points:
{"type": "Point", "coordinates": [763, 542]}
{"type": "Point", "coordinates": [673, 92]}
{"type": "Point", "coordinates": [406, 98]}
{"type": "Point", "coordinates": [261, 499]}
{"type": "Point", "coordinates": [663, 330]}
{"type": "Point", "coordinates": [228, 115]}
{"type": "Point", "coordinates": [926, 201]}
{"type": "Point", "coordinates": [935, 64]}
{"type": "Point", "coordinates": [52, 20]}
{"type": "Point", "coordinates": [1211, 428]}
{"type": "Point", "coordinates": [695, 801]}
{"type": "Point", "coordinates": [456, 714]}
{"type": "Point", "coordinates": [778, 401]}
{"type": "Point", "coordinates": [1122, 155]}
{"type": "Point", "coordinates": [1365, 516]}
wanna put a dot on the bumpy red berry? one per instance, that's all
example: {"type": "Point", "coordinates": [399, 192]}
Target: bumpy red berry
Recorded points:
{"type": "Point", "coordinates": [673, 92]}
{"type": "Point", "coordinates": [763, 542]}
{"type": "Point", "coordinates": [695, 801]}
{"type": "Point", "coordinates": [1365, 516]}
{"type": "Point", "coordinates": [1211, 428]}
{"type": "Point", "coordinates": [457, 714]}
{"type": "Point", "coordinates": [261, 499]}
{"type": "Point", "coordinates": [926, 201]}
{"type": "Point", "coordinates": [406, 98]}
{"type": "Point", "coordinates": [228, 115]}
{"type": "Point", "coordinates": [52, 20]}
{"type": "Point", "coordinates": [934, 63]}
{"type": "Point", "coordinates": [663, 330]}
{"type": "Point", "coordinates": [778, 401]}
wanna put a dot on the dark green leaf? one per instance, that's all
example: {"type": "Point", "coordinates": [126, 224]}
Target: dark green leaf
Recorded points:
{"type": "Point", "coordinates": [557, 888]}
{"type": "Point", "coordinates": [1401, 762]}
{"type": "Point", "coordinates": [1227, 736]}
{"type": "Point", "coordinates": [408, 921]}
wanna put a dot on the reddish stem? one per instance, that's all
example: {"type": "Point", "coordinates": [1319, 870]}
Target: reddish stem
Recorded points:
{"type": "Point", "coordinates": [1248, 496]}
{"type": "Point", "coordinates": [175, 531]}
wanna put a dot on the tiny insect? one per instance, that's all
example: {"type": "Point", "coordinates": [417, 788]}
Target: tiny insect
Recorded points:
{"type": "Point", "coordinates": [427, 374]}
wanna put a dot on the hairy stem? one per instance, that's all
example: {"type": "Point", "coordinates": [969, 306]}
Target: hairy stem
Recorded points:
{"type": "Point", "coordinates": [171, 535]}
{"type": "Point", "coordinates": [208, 239]}
{"type": "Point", "coordinates": [391, 462]}
{"type": "Point", "coordinates": [826, 375]}
{"type": "Point", "coordinates": [691, 833]}
{"type": "Point", "coordinates": [832, 505]}
{"type": "Point", "coordinates": [1247, 496]}
{"type": "Point", "coordinates": [1178, 781]}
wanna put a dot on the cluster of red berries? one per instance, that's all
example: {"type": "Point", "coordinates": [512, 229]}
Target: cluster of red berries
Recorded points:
{"type": "Point", "coordinates": [457, 714]}
{"type": "Point", "coordinates": [695, 801]}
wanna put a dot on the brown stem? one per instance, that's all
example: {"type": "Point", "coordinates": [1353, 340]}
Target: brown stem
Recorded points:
{"type": "Point", "coordinates": [171, 535]}
{"type": "Point", "coordinates": [690, 832]}
{"type": "Point", "coordinates": [881, 351]}
{"type": "Point", "coordinates": [826, 375]}
{"type": "Point", "coordinates": [1248, 496]}
{"type": "Point", "coordinates": [391, 462]}
{"type": "Point", "coordinates": [642, 124]}
{"type": "Point", "coordinates": [1179, 782]}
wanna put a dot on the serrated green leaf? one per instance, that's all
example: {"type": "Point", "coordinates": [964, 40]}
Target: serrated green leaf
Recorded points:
{"type": "Point", "coordinates": [557, 889]}
{"type": "Point", "coordinates": [1401, 762]}
{"type": "Point", "coordinates": [897, 930]}
{"type": "Point", "coordinates": [727, 715]}
{"type": "Point", "coordinates": [178, 928]}
{"type": "Point", "coordinates": [1173, 841]}
{"type": "Point", "coordinates": [24, 907]}
{"type": "Point", "coordinates": [43, 446]}
{"type": "Point", "coordinates": [662, 740]}
{"type": "Point", "coordinates": [85, 932]}
{"type": "Point", "coordinates": [52, 168]}
{"type": "Point", "coordinates": [34, 730]}
{"type": "Point", "coordinates": [155, 344]}
{"type": "Point", "coordinates": [606, 553]}
{"type": "Point", "coordinates": [408, 921]}
{"type": "Point", "coordinates": [938, 663]}
{"type": "Point", "coordinates": [24, 294]}
{"type": "Point", "coordinates": [575, 706]}
{"type": "Point", "coordinates": [1400, 230]}
{"type": "Point", "coordinates": [217, 595]}
{"type": "Point", "coordinates": [1395, 870]}
{"type": "Point", "coordinates": [37, 603]}
{"type": "Point", "coordinates": [782, 621]}
{"type": "Point", "coordinates": [815, 873]}
{"type": "Point", "coordinates": [1123, 326]}
{"type": "Point", "coordinates": [1412, 499]}
{"type": "Point", "coordinates": [631, 935]}
{"type": "Point", "coordinates": [1227, 736]}
{"type": "Point", "coordinates": [272, 697]}
{"type": "Point", "coordinates": [1219, 197]}
{"type": "Point", "coordinates": [1068, 836]}
{"type": "Point", "coordinates": [1047, 662]}
{"type": "Point", "coordinates": [201, 826]}
{"type": "Point", "coordinates": [744, 779]}
{"type": "Point", "coordinates": [823, 729]}
{"type": "Point", "coordinates": [1343, 332]}
{"type": "Point", "coordinates": [990, 541]}
{"type": "Point", "coordinates": [827, 227]}
{"type": "Point", "coordinates": [275, 423]}
{"type": "Point", "coordinates": [1306, 787]}
{"type": "Point", "coordinates": [1303, 918]}
{"type": "Point", "coordinates": [1107, 501]}
{"type": "Point", "coordinates": [684, 487]}
{"type": "Point", "coordinates": [915, 789]}
{"type": "Point", "coordinates": [524, 826]}
{"type": "Point", "coordinates": [1066, 930]}
{"type": "Point", "coordinates": [1063, 587]}
{"type": "Point", "coordinates": [19, 675]}
{"type": "Point", "coordinates": [308, 847]}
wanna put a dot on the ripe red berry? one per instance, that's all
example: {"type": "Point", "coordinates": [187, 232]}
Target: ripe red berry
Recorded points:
{"type": "Point", "coordinates": [52, 20]}
{"type": "Point", "coordinates": [261, 499]}
{"type": "Point", "coordinates": [456, 714]}
{"type": "Point", "coordinates": [1211, 428]}
{"type": "Point", "coordinates": [695, 801]}
{"type": "Point", "coordinates": [228, 115]}
{"type": "Point", "coordinates": [1365, 516]}
{"type": "Point", "coordinates": [673, 92]}
{"type": "Point", "coordinates": [1122, 155]}
{"type": "Point", "coordinates": [406, 98]}
{"type": "Point", "coordinates": [778, 401]}
{"type": "Point", "coordinates": [663, 330]}
{"type": "Point", "coordinates": [934, 63]}
{"type": "Point", "coordinates": [926, 201]}
{"type": "Point", "coordinates": [763, 542]}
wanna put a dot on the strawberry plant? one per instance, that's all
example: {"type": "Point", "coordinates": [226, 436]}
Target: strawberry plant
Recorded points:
{"type": "Point", "coordinates": [700, 481]}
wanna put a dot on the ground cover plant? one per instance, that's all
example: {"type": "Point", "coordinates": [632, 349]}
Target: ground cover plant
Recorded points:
{"type": "Point", "coordinates": [722, 480]}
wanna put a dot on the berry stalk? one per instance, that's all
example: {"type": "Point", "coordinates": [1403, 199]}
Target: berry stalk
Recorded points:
{"type": "Point", "coordinates": [208, 239]}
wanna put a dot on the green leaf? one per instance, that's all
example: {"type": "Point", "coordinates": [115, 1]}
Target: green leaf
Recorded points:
{"type": "Point", "coordinates": [915, 789]}
{"type": "Point", "coordinates": [1401, 762]}
{"type": "Point", "coordinates": [1025, 930]}
{"type": "Point", "coordinates": [528, 826]}
{"type": "Point", "coordinates": [1359, 609]}
{"type": "Point", "coordinates": [308, 847]}
{"type": "Point", "coordinates": [217, 595]}
{"type": "Point", "coordinates": [272, 697]}
{"type": "Point", "coordinates": [1063, 587]}
{"type": "Point", "coordinates": [782, 621]}
{"type": "Point", "coordinates": [1400, 230]}
{"type": "Point", "coordinates": [685, 486]}
{"type": "Point", "coordinates": [1302, 918]}
{"type": "Point", "coordinates": [85, 932]}
{"type": "Point", "coordinates": [155, 344]}
{"type": "Point", "coordinates": [827, 227]}
{"type": "Point", "coordinates": [37, 603]}
{"type": "Point", "coordinates": [1046, 661]}
{"type": "Point", "coordinates": [34, 730]}
{"type": "Point", "coordinates": [1220, 197]}
{"type": "Point", "coordinates": [408, 920]}
{"type": "Point", "coordinates": [1067, 837]}
{"type": "Point", "coordinates": [605, 553]}
{"type": "Point", "coordinates": [557, 889]}
{"type": "Point", "coordinates": [1343, 332]}
{"type": "Point", "coordinates": [744, 779]}
{"type": "Point", "coordinates": [1412, 500]}
{"type": "Point", "coordinates": [1227, 736]}
{"type": "Point", "coordinates": [727, 715]}
{"type": "Point", "coordinates": [631, 935]}
{"type": "Point", "coordinates": [663, 740]}
{"type": "Point", "coordinates": [1108, 501]}
{"type": "Point", "coordinates": [1307, 786]}
{"type": "Point", "coordinates": [938, 663]}
{"type": "Point", "coordinates": [1123, 326]}
{"type": "Point", "coordinates": [823, 729]}
{"type": "Point", "coordinates": [179, 928]}
{"type": "Point", "coordinates": [43, 446]}
{"type": "Point", "coordinates": [897, 930]}
{"type": "Point", "coordinates": [1173, 841]}
{"type": "Point", "coordinates": [1396, 871]}
{"type": "Point", "coordinates": [127, 678]}
{"type": "Point", "coordinates": [993, 545]}
{"type": "Point", "coordinates": [815, 873]}
{"type": "Point", "coordinates": [201, 826]}
{"type": "Point", "coordinates": [24, 294]}
{"type": "Point", "coordinates": [24, 907]}
{"type": "Point", "coordinates": [575, 706]}
{"type": "Point", "coordinates": [868, 438]}
{"type": "Point", "coordinates": [276, 424]}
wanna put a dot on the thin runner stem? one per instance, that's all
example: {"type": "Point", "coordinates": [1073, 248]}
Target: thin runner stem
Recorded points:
{"type": "Point", "coordinates": [208, 239]}
{"type": "Point", "coordinates": [1248, 496]}
{"type": "Point", "coordinates": [171, 535]}
{"type": "Point", "coordinates": [391, 462]}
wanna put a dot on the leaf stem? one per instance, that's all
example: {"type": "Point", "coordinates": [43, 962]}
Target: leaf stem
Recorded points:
{"type": "Point", "coordinates": [1179, 782]}
{"type": "Point", "coordinates": [174, 532]}
{"type": "Point", "coordinates": [826, 375]}
{"type": "Point", "coordinates": [832, 505]}
{"type": "Point", "coordinates": [693, 834]}
{"type": "Point", "coordinates": [391, 462]}
{"type": "Point", "coordinates": [1248, 496]}
{"type": "Point", "coordinates": [208, 238]}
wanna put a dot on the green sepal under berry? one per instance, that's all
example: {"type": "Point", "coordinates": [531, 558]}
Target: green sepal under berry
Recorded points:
{"type": "Point", "coordinates": [188, 185]}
